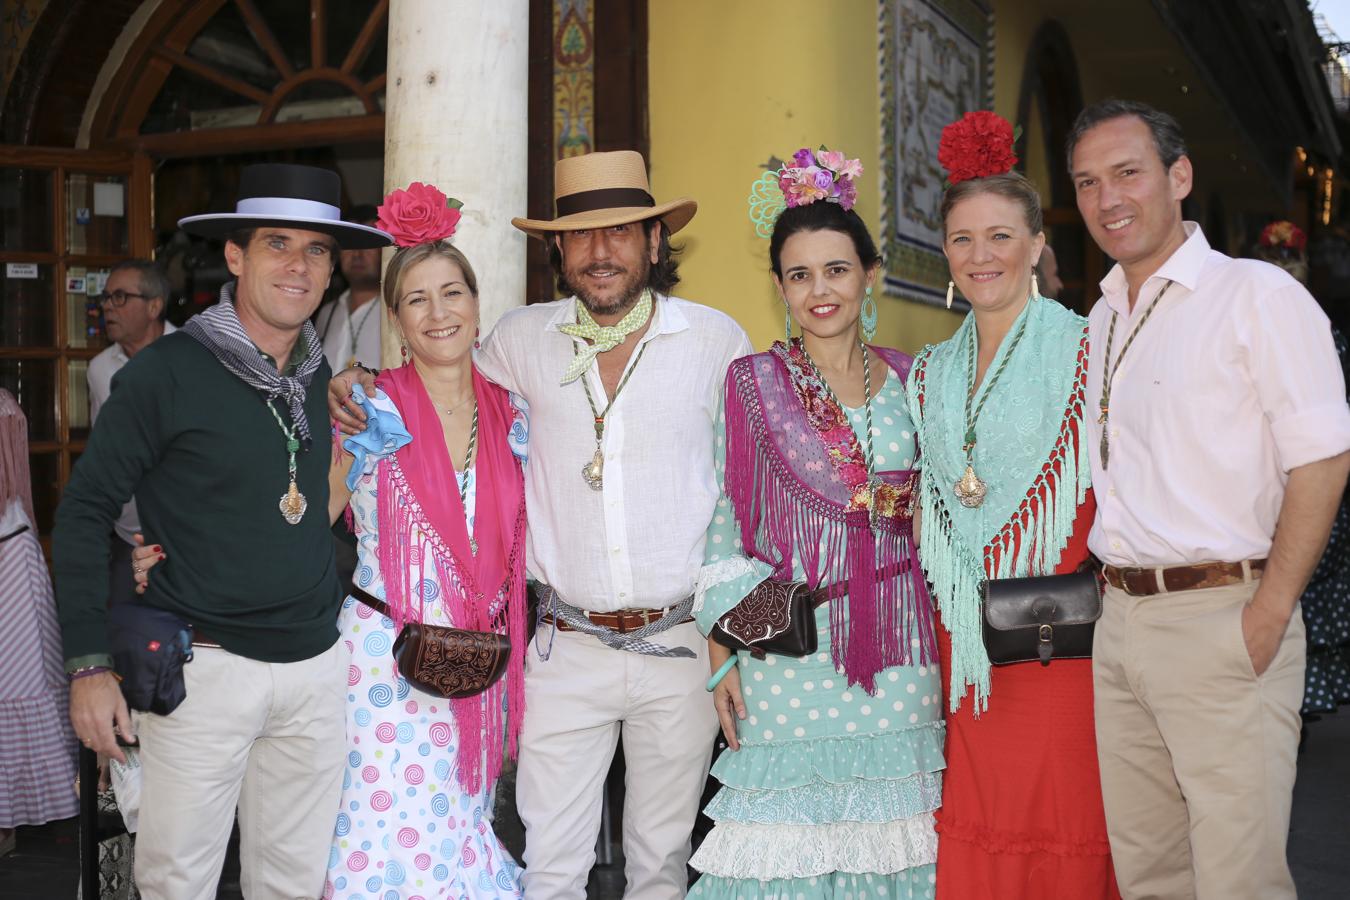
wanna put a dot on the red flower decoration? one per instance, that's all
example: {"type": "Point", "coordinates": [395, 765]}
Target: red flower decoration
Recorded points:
{"type": "Point", "coordinates": [419, 215]}
{"type": "Point", "coordinates": [1284, 235]}
{"type": "Point", "coordinates": [977, 145]}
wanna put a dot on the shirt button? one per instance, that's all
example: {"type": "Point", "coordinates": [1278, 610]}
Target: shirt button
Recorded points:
{"type": "Point", "coordinates": [618, 550]}
{"type": "Point", "coordinates": [1111, 492]}
{"type": "Point", "coordinates": [1115, 545]}
{"type": "Point", "coordinates": [622, 595]}
{"type": "Point", "coordinates": [1115, 432]}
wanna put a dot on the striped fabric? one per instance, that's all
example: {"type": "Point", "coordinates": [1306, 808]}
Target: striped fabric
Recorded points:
{"type": "Point", "coordinates": [37, 744]}
{"type": "Point", "coordinates": [219, 331]}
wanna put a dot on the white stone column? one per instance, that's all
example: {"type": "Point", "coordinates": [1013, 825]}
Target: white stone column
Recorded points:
{"type": "Point", "coordinates": [456, 116]}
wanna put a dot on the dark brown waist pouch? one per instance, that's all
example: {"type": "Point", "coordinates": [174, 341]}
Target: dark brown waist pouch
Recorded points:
{"type": "Point", "coordinates": [452, 662]}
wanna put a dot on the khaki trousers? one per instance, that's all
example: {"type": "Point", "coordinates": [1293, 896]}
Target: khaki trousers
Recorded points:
{"type": "Point", "coordinates": [1197, 752]}
{"type": "Point", "coordinates": [576, 704]}
{"type": "Point", "coordinates": [269, 738]}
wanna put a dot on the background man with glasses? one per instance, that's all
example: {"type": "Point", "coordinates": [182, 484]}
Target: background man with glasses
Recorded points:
{"type": "Point", "coordinates": [133, 302]}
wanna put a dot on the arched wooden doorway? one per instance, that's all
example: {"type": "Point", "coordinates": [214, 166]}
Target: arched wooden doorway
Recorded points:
{"type": "Point", "coordinates": [1049, 100]}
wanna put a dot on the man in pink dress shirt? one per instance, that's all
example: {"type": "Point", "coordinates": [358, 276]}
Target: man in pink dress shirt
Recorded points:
{"type": "Point", "coordinates": [1218, 433]}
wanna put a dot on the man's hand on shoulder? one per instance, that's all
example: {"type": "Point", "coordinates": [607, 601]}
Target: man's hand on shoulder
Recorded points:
{"type": "Point", "coordinates": [350, 418]}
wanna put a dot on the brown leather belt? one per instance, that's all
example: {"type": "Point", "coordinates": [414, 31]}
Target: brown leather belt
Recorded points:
{"type": "Point", "coordinates": [620, 621]}
{"type": "Point", "coordinates": [1147, 581]}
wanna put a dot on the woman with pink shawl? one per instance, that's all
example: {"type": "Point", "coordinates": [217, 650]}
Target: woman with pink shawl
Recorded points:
{"type": "Point", "coordinates": [435, 491]}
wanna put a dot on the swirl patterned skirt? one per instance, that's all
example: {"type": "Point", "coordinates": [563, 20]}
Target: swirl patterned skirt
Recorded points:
{"type": "Point", "coordinates": [406, 828]}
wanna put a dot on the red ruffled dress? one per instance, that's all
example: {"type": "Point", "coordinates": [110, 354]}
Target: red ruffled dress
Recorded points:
{"type": "Point", "coordinates": [1021, 815]}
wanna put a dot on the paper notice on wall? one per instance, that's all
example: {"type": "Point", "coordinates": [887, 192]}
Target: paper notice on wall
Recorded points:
{"type": "Point", "coordinates": [21, 270]}
{"type": "Point", "coordinates": [108, 199]}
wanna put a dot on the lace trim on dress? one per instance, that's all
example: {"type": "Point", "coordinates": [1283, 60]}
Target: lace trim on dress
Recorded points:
{"type": "Point", "coordinates": [838, 759]}
{"type": "Point", "coordinates": [822, 804]}
{"type": "Point", "coordinates": [763, 852]}
{"type": "Point", "coordinates": [911, 884]}
{"type": "Point", "coordinates": [719, 573]}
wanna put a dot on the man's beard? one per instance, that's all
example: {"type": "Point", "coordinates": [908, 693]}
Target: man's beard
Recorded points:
{"type": "Point", "coordinates": [634, 283]}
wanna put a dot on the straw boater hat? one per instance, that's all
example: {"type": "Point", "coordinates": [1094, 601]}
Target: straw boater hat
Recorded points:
{"type": "Point", "coordinates": [288, 196]}
{"type": "Point", "coordinates": [602, 189]}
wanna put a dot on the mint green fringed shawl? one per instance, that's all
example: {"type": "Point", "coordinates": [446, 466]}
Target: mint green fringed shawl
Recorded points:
{"type": "Point", "coordinates": [1032, 454]}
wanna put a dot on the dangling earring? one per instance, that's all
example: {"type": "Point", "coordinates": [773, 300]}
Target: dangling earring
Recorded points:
{"type": "Point", "coordinates": [403, 349]}
{"type": "Point", "coordinates": [1035, 288]}
{"type": "Point", "coordinates": [477, 344]}
{"type": "Point", "coordinates": [951, 285]}
{"type": "Point", "coordinates": [787, 323]}
{"type": "Point", "coordinates": [868, 319]}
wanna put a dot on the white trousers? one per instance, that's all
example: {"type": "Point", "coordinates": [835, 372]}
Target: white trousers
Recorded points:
{"type": "Point", "coordinates": [577, 702]}
{"type": "Point", "coordinates": [268, 738]}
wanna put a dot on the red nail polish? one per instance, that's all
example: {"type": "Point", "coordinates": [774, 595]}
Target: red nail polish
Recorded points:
{"type": "Point", "coordinates": [157, 548]}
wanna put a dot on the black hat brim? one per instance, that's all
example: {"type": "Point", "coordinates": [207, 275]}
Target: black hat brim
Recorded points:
{"type": "Point", "coordinates": [348, 235]}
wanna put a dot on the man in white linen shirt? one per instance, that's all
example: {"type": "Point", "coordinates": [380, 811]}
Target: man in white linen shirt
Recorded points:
{"type": "Point", "coordinates": [1218, 435]}
{"type": "Point", "coordinates": [133, 303]}
{"type": "Point", "coordinates": [623, 382]}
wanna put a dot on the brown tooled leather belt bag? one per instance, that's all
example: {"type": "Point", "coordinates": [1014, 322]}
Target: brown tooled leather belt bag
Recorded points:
{"type": "Point", "coordinates": [452, 662]}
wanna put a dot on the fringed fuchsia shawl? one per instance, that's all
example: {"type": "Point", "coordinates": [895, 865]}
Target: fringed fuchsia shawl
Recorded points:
{"type": "Point", "coordinates": [422, 526]}
{"type": "Point", "coordinates": [790, 501]}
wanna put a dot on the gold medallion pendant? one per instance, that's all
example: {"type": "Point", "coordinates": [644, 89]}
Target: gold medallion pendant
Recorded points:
{"type": "Point", "coordinates": [293, 505]}
{"type": "Point", "coordinates": [970, 490]}
{"type": "Point", "coordinates": [594, 471]}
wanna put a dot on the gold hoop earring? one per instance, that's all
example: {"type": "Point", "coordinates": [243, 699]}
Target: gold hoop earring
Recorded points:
{"type": "Point", "coordinates": [951, 286]}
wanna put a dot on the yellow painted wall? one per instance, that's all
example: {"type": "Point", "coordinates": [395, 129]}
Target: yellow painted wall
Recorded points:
{"type": "Point", "coordinates": [733, 83]}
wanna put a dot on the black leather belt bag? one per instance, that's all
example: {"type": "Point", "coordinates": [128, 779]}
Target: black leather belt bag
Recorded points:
{"type": "Point", "coordinates": [1040, 619]}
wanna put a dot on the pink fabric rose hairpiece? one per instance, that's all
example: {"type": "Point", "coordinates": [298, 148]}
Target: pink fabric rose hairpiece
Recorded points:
{"type": "Point", "coordinates": [419, 215]}
{"type": "Point", "coordinates": [822, 175]}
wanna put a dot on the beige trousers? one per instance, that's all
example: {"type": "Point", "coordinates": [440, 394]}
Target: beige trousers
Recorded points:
{"type": "Point", "coordinates": [268, 738]}
{"type": "Point", "coordinates": [577, 702]}
{"type": "Point", "coordinates": [1197, 752]}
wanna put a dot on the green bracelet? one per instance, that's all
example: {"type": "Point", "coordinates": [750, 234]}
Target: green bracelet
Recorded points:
{"type": "Point", "coordinates": [721, 673]}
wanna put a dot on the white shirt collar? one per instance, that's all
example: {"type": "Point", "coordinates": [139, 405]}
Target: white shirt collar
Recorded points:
{"type": "Point", "coordinates": [1183, 267]}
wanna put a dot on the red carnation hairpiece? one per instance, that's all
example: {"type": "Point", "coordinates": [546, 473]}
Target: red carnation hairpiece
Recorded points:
{"type": "Point", "coordinates": [977, 145]}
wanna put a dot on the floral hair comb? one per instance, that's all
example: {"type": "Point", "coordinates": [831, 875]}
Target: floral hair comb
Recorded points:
{"type": "Point", "coordinates": [1283, 236]}
{"type": "Point", "coordinates": [977, 145]}
{"type": "Point", "coordinates": [810, 176]}
{"type": "Point", "coordinates": [419, 215]}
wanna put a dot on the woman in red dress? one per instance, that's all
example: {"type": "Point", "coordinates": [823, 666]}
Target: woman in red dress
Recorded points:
{"type": "Point", "coordinates": [1004, 494]}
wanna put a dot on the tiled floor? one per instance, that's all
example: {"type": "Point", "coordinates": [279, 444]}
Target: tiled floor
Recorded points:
{"type": "Point", "coordinates": [44, 865]}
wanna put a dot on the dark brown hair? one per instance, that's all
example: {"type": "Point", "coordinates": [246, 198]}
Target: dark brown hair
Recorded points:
{"type": "Point", "coordinates": [822, 216]}
{"type": "Point", "coordinates": [1012, 185]}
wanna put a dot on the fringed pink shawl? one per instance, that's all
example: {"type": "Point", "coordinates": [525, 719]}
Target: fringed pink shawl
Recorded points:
{"type": "Point", "coordinates": [792, 503]}
{"type": "Point", "coordinates": [422, 526]}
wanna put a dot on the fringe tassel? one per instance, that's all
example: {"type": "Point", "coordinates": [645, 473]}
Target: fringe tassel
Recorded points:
{"type": "Point", "coordinates": [780, 521]}
{"type": "Point", "coordinates": [403, 557]}
{"type": "Point", "coordinates": [1030, 543]}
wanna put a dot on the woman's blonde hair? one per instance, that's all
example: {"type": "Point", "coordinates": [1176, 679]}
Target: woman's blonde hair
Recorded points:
{"type": "Point", "coordinates": [407, 257]}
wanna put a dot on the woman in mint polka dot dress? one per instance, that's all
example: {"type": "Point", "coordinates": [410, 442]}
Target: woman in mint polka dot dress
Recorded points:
{"type": "Point", "coordinates": [835, 762]}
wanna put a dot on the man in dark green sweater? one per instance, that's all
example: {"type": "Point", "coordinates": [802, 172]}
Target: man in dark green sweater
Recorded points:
{"type": "Point", "coordinates": [220, 433]}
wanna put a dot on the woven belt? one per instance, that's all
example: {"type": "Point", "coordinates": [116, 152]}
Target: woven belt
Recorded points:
{"type": "Point", "coordinates": [1147, 581]}
{"type": "Point", "coordinates": [620, 621]}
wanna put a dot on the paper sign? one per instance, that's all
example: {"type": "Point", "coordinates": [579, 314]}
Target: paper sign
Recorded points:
{"type": "Point", "coordinates": [108, 198]}
{"type": "Point", "coordinates": [21, 270]}
{"type": "Point", "coordinates": [94, 282]}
